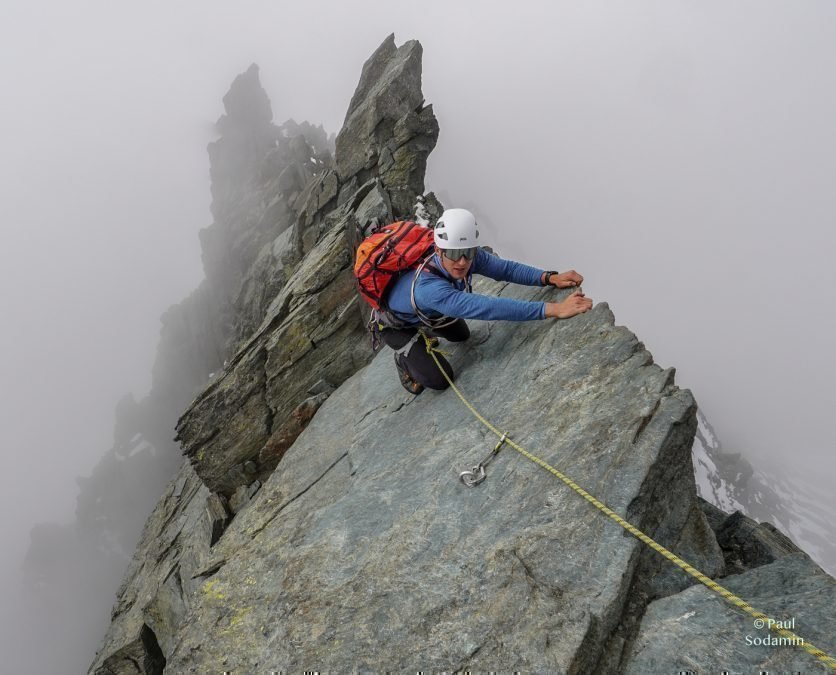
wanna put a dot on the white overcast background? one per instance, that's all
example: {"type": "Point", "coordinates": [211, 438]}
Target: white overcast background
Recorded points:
{"type": "Point", "coordinates": [680, 155]}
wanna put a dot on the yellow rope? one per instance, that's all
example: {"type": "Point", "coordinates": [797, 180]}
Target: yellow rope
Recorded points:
{"type": "Point", "coordinates": [641, 536]}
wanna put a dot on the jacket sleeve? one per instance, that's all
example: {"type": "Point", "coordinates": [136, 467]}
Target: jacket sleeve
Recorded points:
{"type": "Point", "coordinates": [438, 295]}
{"type": "Point", "coordinates": [506, 270]}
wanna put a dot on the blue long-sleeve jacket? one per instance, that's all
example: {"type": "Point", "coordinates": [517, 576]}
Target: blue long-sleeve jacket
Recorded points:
{"type": "Point", "coordinates": [436, 296]}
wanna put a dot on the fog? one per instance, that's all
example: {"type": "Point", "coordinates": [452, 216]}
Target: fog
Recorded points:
{"type": "Point", "coordinates": [680, 155]}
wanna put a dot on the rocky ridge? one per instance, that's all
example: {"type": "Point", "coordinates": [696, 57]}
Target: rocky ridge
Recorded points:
{"type": "Point", "coordinates": [258, 170]}
{"type": "Point", "coordinates": [311, 335]}
{"type": "Point", "coordinates": [793, 497]}
{"type": "Point", "coordinates": [278, 292]}
{"type": "Point", "coordinates": [362, 551]}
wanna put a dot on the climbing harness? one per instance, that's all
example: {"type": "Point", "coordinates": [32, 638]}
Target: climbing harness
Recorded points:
{"type": "Point", "coordinates": [408, 346]}
{"type": "Point", "coordinates": [442, 321]}
{"type": "Point", "coordinates": [381, 317]}
{"type": "Point", "coordinates": [477, 475]}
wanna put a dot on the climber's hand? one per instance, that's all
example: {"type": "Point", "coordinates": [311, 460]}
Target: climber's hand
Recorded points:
{"type": "Point", "coordinates": [577, 303]}
{"type": "Point", "coordinates": [566, 279]}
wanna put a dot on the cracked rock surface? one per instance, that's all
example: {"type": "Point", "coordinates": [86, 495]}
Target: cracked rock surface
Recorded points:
{"type": "Point", "coordinates": [701, 633]}
{"type": "Point", "coordinates": [364, 551]}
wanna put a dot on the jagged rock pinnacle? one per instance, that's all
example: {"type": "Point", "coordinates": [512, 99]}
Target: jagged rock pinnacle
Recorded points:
{"type": "Point", "coordinates": [247, 105]}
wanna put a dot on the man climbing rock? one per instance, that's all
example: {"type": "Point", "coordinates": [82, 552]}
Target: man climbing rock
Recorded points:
{"type": "Point", "coordinates": [437, 297]}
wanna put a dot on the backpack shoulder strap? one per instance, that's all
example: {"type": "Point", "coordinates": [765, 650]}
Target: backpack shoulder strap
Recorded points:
{"type": "Point", "coordinates": [433, 269]}
{"type": "Point", "coordinates": [440, 322]}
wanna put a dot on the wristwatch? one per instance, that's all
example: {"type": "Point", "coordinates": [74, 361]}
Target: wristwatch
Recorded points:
{"type": "Point", "coordinates": [549, 276]}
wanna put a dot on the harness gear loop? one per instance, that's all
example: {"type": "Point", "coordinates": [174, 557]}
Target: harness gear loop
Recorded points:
{"type": "Point", "coordinates": [740, 603]}
{"type": "Point", "coordinates": [373, 326]}
{"type": "Point", "coordinates": [477, 474]}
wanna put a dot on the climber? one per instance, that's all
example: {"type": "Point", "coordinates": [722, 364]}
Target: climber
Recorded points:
{"type": "Point", "coordinates": [437, 298]}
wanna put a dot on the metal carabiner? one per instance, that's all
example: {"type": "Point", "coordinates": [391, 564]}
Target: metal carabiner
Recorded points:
{"type": "Point", "coordinates": [477, 474]}
{"type": "Point", "coordinates": [473, 477]}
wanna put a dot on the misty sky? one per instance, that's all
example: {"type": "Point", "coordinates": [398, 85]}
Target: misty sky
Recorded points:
{"type": "Point", "coordinates": [681, 155]}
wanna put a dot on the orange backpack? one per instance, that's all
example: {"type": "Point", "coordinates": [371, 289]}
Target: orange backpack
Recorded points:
{"type": "Point", "coordinates": [386, 253]}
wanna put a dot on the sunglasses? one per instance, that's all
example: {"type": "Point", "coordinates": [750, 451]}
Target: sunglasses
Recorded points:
{"type": "Point", "coordinates": [457, 253]}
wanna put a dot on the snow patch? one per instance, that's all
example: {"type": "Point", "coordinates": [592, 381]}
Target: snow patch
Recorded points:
{"type": "Point", "coordinates": [422, 216]}
{"type": "Point", "coordinates": [789, 497]}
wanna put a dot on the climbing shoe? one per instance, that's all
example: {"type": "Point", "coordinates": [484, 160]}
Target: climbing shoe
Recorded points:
{"type": "Point", "coordinates": [407, 381]}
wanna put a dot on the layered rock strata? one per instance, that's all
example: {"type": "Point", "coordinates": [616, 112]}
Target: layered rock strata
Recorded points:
{"type": "Point", "coordinates": [701, 634]}
{"type": "Point", "coordinates": [313, 330]}
{"type": "Point", "coordinates": [276, 324]}
{"type": "Point", "coordinates": [364, 551]}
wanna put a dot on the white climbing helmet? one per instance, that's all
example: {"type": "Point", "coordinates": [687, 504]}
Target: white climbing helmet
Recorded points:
{"type": "Point", "coordinates": [456, 229]}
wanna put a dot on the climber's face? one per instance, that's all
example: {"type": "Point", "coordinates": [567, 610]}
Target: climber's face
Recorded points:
{"type": "Point", "coordinates": [459, 267]}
